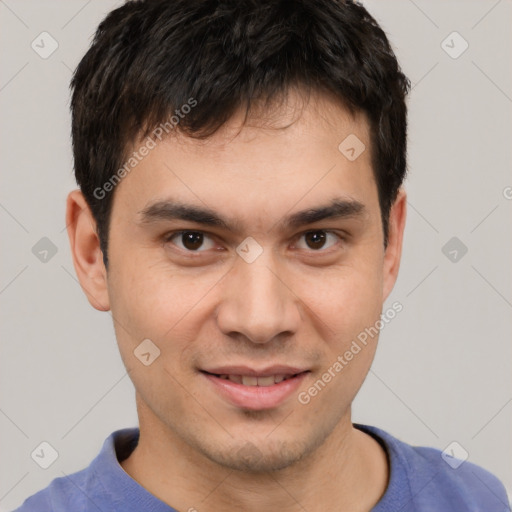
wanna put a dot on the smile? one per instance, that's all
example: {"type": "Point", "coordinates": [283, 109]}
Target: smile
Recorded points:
{"type": "Point", "coordinates": [250, 380]}
{"type": "Point", "coordinates": [255, 392]}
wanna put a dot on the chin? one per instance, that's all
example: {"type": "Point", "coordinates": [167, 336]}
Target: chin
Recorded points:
{"type": "Point", "coordinates": [261, 456]}
{"type": "Point", "coordinates": [251, 459]}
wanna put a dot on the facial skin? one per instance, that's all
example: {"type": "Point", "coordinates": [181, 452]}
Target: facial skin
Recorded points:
{"type": "Point", "coordinates": [300, 303]}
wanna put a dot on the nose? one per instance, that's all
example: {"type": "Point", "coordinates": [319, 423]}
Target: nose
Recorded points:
{"type": "Point", "coordinates": [258, 302]}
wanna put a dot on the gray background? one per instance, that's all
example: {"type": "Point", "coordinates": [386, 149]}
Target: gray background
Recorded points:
{"type": "Point", "coordinates": [442, 370]}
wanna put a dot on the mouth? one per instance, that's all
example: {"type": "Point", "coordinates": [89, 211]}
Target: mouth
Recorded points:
{"type": "Point", "coordinates": [248, 389]}
{"type": "Point", "coordinates": [251, 380]}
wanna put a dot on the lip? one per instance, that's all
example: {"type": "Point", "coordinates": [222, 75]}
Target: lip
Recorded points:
{"type": "Point", "coordinates": [255, 398]}
{"type": "Point", "coordinates": [263, 372]}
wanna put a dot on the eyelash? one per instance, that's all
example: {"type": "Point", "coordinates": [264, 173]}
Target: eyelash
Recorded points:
{"type": "Point", "coordinates": [169, 236]}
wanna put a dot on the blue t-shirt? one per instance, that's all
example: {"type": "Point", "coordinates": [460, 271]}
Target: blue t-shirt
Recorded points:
{"type": "Point", "coordinates": [420, 481]}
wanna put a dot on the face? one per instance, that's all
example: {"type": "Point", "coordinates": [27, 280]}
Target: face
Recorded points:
{"type": "Point", "coordinates": [253, 290]}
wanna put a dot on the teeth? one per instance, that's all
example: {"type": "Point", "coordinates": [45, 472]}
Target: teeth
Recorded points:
{"type": "Point", "coordinates": [250, 380]}
{"type": "Point", "coordinates": [266, 381]}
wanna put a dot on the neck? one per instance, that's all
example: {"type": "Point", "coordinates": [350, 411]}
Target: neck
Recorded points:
{"type": "Point", "coordinates": [349, 471]}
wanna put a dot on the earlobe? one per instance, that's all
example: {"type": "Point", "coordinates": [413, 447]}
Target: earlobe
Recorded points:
{"type": "Point", "coordinates": [86, 251]}
{"type": "Point", "coordinates": [393, 251]}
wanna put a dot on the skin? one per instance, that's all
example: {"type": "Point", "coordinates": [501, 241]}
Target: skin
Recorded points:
{"type": "Point", "coordinates": [296, 304]}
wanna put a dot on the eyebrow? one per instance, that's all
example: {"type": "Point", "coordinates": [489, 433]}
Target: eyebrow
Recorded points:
{"type": "Point", "coordinates": [170, 209]}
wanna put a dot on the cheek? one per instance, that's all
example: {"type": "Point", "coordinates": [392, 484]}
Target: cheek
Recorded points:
{"type": "Point", "coordinates": [152, 304]}
{"type": "Point", "coordinates": [159, 303]}
{"type": "Point", "coordinates": [346, 299]}
{"type": "Point", "coordinates": [349, 309]}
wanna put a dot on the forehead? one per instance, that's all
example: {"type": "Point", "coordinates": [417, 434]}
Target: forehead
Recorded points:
{"type": "Point", "coordinates": [293, 155]}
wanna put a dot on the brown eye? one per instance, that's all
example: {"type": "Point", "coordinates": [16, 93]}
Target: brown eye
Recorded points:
{"type": "Point", "coordinates": [316, 240]}
{"type": "Point", "coordinates": [190, 240]}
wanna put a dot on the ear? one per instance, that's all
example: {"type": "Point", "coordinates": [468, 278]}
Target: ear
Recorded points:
{"type": "Point", "coordinates": [86, 252]}
{"type": "Point", "coordinates": [393, 251]}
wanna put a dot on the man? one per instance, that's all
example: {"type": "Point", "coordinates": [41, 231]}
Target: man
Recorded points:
{"type": "Point", "coordinates": [241, 214]}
